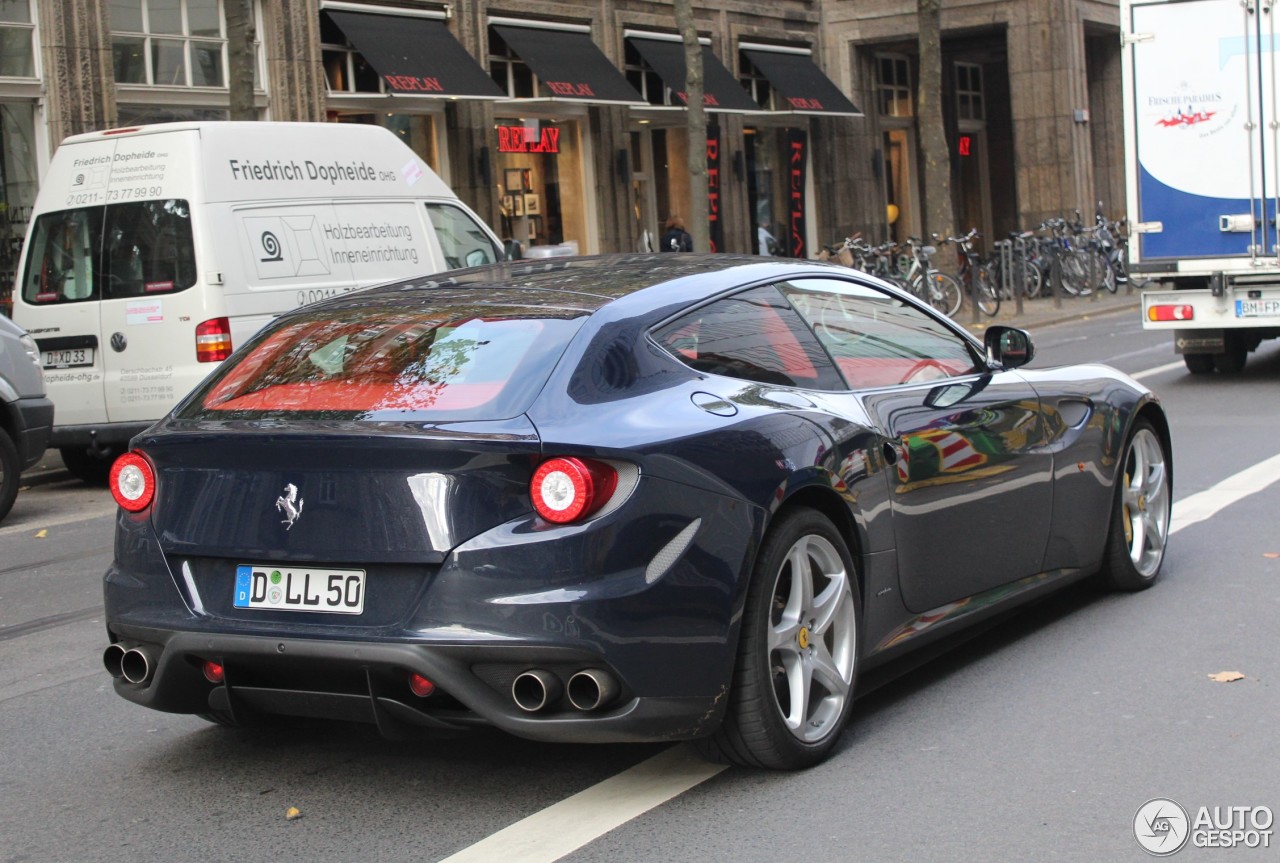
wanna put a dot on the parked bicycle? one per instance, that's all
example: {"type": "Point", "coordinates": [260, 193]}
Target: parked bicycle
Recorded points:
{"type": "Point", "coordinates": [975, 274]}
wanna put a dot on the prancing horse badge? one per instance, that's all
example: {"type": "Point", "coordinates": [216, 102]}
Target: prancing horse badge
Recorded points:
{"type": "Point", "coordinates": [290, 504]}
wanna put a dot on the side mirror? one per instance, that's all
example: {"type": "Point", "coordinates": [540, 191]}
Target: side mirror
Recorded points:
{"type": "Point", "coordinates": [1009, 347]}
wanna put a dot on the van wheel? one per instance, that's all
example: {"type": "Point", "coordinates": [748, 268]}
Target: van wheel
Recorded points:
{"type": "Point", "coordinates": [10, 473]}
{"type": "Point", "coordinates": [91, 466]}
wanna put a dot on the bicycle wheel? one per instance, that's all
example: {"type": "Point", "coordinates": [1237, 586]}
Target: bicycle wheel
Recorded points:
{"type": "Point", "coordinates": [985, 292]}
{"type": "Point", "coordinates": [1075, 273]}
{"type": "Point", "coordinates": [1032, 280]}
{"type": "Point", "coordinates": [940, 291]}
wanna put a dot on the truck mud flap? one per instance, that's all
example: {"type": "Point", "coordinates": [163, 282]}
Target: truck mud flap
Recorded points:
{"type": "Point", "coordinates": [1199, 341]}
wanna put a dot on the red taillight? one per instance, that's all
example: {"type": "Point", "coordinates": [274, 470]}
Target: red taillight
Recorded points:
{"type": "Point", "coordinates": [213, 341]}
{"type": "Point", "coordinates": [420, 686]}
{"type": "Point", "coordinates": [1171, 313]}
{"type": "Point", "coordinates": [213, 672]}
{"type": "Point", "coordinates": [566, 489]}
{"type": "Point", "coordinates": [133, 482]}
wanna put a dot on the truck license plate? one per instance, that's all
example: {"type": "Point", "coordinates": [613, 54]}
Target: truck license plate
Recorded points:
{"type": "Point", "coordinates": [1257, 308]}
{"type": "Point", "coordinates": [67, 358]}
{"type": "Point", "coordinates": [278, 588]}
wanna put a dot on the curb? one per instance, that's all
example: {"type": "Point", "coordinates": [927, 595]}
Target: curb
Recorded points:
{"type": "Point", "coordinates": [1063, 316]}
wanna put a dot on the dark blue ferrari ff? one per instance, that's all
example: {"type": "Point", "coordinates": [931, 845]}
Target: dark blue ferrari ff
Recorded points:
{"type": "Point", "coordinates": [650, 497]}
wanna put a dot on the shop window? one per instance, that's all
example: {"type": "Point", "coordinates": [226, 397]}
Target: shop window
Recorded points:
{"type": "Point", "coordinates": [345, 68]}
{"type": "Point", "coordinates": [969, 100]}
{"type": "Point", "coordinates": [17, 37]}
{"type": "Point", "coordinates": [755, 83]}
{"type": "Point", "coordinates": [893, 86]}
{"type": "Point", "coordinates": [168, 43]}
{"type": "Point", "coordinates": [508, 71]}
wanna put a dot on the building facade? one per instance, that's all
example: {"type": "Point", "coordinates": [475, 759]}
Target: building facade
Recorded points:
{"type": "Point", "coordinates": [564, 122]}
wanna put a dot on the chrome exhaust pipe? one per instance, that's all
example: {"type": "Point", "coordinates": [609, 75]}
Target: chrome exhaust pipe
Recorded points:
{"type": "Point", "coordinates": [111, 658]}
{"type": "Point", "coordinates": [137, 665]}
{"type": "Point", "coordinates": [592, 688]}
{"type": "Point", "coordinates": [535, 690]}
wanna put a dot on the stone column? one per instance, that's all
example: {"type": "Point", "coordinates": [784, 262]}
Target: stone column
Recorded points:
{"type": "Point", "coordinates": [291, 44]}
{"type": "Point", "coordinates": [75, 46]}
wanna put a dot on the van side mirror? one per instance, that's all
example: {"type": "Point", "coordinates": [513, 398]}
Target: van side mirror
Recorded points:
{"type": "Point", "coordinates": [1009, 347]}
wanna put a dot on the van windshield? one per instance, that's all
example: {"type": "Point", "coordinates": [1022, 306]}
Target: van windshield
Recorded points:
{"type": "Point", "coordinates": [392, 363]}
{"type": "Point", "coordinates": [121, 250]}
{"type": "Point", "coordinates": [462, 240]}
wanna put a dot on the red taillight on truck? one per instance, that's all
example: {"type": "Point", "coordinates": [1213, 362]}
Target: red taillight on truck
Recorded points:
{"type": "Point", "coordinates": [567, 489]}
{"type": "Point", "coordinates": [213, 341]}
{"type": "Point", "coordinates": [132, 481]}
{"type": "Point", "coordinates": [1171, 313]}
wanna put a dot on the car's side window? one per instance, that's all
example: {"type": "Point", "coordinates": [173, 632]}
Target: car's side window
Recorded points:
{"type": "Point", "coordinates": [756, 336]}
{"type": "Point", "coordinates": [878, 339]}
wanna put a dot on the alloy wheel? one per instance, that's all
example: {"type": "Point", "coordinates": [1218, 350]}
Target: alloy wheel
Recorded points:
{"type": "Point", "coordinates": [1145, 498]}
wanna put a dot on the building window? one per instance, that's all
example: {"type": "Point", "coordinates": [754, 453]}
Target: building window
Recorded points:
{"type": "Point", "coordinates": [755, 83]}
{"type": "Point", "coordinates": [646, 81]}
{"type": "Point", "coordinates": [508, 71]}
{"type": "Point", "coordinates": [345, 68]}
{"type": "Point", "coordinates": [168, 43]}
{"type": "Point", "coordinates": [969, 103]}
{"type": "Point", "coordinates": [17, 32]}
{"type": "Point", "coordinates": [893, 86]}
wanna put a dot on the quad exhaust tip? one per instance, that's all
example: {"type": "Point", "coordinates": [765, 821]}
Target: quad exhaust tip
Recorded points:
{"type": "Point", "coordinates": [591, 689]}
{"type": "Point", "coordinates": [535, 690]}
{"type": "Point", "coordinates": [134, 665]}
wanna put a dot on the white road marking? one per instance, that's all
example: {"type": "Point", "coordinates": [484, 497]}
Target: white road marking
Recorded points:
{"type": "Point", "coordinates": [564, 827]}
{"type": "Point", "coordinates": [36, 524]}
{"type": "Point", "coordinates": [1206, 504]}
{"type": "Point", "coordinates": [1158, 370]}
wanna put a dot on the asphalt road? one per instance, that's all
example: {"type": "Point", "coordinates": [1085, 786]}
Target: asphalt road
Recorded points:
{"type": "Point", "coordinates": [1035, 740]}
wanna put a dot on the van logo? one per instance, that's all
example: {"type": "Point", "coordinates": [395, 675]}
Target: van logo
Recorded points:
{"type": "Point", "coordinates": [118, 342]}
{"type": "Point", "coordinates": [270, 245]}
{"type": "Point", "coordinates": [290, 504]}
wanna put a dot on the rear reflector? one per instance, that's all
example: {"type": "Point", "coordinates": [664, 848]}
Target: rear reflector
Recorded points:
{"type": "Point", "coordinates": [213, 341]}
{"type": "Point", "coordinates": [420, 686]}
{"type": "Point", "coordinates": [213, 672]}
{"type": "Point", "coordinates": [1171, 313]}
{"type": "Point", "coordinates": [132, 481]}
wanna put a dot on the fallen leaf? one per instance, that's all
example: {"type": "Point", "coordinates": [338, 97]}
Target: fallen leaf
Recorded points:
{"type": "Point", "coordinates": [42, 534]}
{"type": "Point", "coordinates": [1226, 676]}
{"type": "Point", "coordinates": [1271, 554]}
{"type": "Point", "coordinates": [293, 813]}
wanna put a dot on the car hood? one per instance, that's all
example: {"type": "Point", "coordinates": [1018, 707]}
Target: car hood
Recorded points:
{"type": "Point", "coordinates": [335, 493]}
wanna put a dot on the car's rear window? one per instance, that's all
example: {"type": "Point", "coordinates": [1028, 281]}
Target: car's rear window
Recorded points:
{"type": "Point", "coordinates": [388, 363]}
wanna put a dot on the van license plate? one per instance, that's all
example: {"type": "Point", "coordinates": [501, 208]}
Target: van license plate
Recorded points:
{"type": "Point", "coordinates": [278, 588]}
{"type": "Point", "coordinates": [1257, 308]}
{"type": "Point", "coordinates": [68, 358]}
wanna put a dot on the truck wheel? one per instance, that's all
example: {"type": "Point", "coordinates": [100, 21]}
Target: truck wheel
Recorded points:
{"type": "Point", "coordinates": [1199, 364]}
{"type": "Point", "coordinates": [88, 465]}
{"type": "Point", "coordinates": [1232, 360]}
{"type": "Point", "coordinates": [10, 473]}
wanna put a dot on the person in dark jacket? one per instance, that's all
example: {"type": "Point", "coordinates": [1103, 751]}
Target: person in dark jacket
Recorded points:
{"type": "Point", "coordinates": [676, 238]}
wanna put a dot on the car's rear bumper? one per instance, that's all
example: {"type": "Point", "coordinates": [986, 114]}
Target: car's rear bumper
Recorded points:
{"type": "Point", "coordinates": [368, 682]}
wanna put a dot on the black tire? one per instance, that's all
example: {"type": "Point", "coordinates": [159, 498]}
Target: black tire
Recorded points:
{"type": "Point", "coordinates": [988, 297]}
{"type": "Point", "coordinates": [755, 731]}
{"type": "Point", "coordinates": [89, 465]}
{"type": "Point", "coordinates": [1199, 364]}
{"type": "Point", "coordinates": [10, 473]}
{"type": "Point", "coordinates": [1232, 360]}
{"type": "Point", "coordinates": [1140, 513]}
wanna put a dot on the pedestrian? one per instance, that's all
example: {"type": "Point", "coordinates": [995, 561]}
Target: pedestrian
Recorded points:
{"type": "Point", "coordinates": [676, 238]}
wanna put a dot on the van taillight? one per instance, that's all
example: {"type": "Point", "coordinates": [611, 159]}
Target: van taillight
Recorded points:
{"type": "Point", "coordinates": [213, 341]}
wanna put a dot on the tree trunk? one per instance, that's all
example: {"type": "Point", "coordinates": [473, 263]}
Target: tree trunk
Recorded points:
{"type": "Point", "coordinates": [935, 156]}
{"type": "Point", "coordinates": [240, 58]}
{"type": "Point", "coordinates": [696, 222]}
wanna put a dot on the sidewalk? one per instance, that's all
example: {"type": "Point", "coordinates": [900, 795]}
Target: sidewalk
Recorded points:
{"type": "Point", "coordinates": [1043, 312]}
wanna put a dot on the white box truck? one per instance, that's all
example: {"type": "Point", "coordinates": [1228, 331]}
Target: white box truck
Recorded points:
{"type": "Point", "coordinates": [1202, 142]}
{"type": "Point", "coordinates": [154, 251]}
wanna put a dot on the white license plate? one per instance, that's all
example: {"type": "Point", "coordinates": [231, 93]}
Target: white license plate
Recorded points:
{"type": "Point", "coordinates": [279, 588]}
{"type": "Point", "coordinates": [68, 358]}
{"type": "Point", "coordinates": [1257, 308]}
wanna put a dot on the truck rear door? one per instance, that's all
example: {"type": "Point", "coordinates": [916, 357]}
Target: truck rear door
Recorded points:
{"type": "Point", "coordinates": [1204, 128]}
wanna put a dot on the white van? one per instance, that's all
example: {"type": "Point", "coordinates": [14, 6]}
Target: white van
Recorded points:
{"type": "Point", "coordinates": [153, 251]}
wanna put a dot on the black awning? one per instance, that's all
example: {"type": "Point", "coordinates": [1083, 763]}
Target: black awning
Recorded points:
{"type": "Point", "coordinates": [569, 64]}
{"type": "Point", "coordinates": [801, 84]}
{"type": "Point", "coordinates": [721, 90]}
{"type": "Point", "coordinates": [416, 55]}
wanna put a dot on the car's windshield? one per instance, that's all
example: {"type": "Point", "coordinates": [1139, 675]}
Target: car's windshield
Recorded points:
{"type": "Point", "coordinates": [387, 362]}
